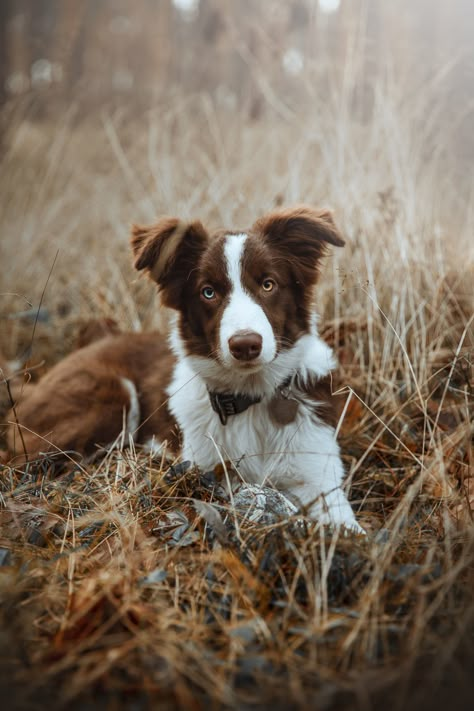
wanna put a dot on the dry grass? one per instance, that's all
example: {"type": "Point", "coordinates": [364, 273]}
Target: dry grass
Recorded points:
{"type": "Point", "coordinates": [116, 593]}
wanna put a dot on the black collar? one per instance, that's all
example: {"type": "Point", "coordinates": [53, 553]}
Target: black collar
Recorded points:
{"type": "Point", "coordinates": [227, 404]}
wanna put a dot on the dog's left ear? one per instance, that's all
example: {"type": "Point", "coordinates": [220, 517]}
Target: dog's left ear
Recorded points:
{"type": "Point", "coordinates": [301, 234]}
{"type": "Point", "coordinates": [168, 252]}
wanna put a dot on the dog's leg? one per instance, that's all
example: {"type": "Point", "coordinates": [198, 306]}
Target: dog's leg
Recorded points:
{"type": "Point", "coordinates": [330, 508]}
{"type": "Point", "coordinates": [316, 481]}
{"type": "Point", "coordinates": [327, 508]}
{"type": "Point", "coordinates": [310, 468]}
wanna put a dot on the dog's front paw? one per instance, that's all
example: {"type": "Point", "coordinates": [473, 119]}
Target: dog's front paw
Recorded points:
{"type": "Point", "coordinates": [334, 510]}
{"type": "Point", "coordinates": [354, 528]}
{"type": "Point", "coordinates": [347, 525]}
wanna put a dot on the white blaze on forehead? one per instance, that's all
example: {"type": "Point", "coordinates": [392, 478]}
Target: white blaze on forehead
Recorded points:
{"type": "Point", "coordinates": [233, 253]}
{"type": "Point", "coordinates": [242, 313]}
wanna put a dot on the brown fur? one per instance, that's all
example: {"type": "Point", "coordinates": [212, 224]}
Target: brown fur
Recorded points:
{"type": "Point", "coordinates": [168, 251]}
{"type": "Point", "coordinates": [81, 402]}
{"type": "Point", "coordinates": [298, 238]}
{"type": "Point", "coordinates": [316, 393]}
{"type": "Point", "coordinates": [326, 406]}
{"type": "Point", "coordinates": [95, 329]}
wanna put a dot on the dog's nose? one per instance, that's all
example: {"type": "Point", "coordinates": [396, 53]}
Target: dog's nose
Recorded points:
{"type": "Point", "coordinates": [245, 345]}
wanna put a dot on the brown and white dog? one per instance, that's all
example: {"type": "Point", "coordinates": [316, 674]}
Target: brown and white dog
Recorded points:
{"type": "Point", "coordinates": [244, 378]}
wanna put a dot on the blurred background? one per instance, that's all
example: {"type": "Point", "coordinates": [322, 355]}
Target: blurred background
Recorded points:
{"type": "Point", "coordinates": [113, 111]}
{"type": "Point", "coordinates": [248, 55]}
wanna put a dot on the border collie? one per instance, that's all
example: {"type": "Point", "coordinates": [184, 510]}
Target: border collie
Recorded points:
{"type": "Point", "coordinates": [244, 379]}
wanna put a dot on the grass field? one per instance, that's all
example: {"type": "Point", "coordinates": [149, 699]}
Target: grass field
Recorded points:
{"type": "Point", "coordinates": [118, 590]}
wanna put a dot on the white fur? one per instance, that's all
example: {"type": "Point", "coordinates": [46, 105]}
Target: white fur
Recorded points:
{"type": "Point", "coordinates": [242, 313]}
{"type": "Point", "coordinates": [154, 446]}
{"type": "Point", "coordinates": [133, 412]}
{"type": "Point", "coordinates": [301, 458]}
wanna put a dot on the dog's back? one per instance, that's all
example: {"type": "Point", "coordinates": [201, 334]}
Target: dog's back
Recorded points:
{"type": "Point", "coordinates": [92, 396]}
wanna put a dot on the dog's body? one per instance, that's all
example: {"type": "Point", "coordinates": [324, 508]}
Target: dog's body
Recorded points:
{"type": "Point", "coordinates": [245, 378]}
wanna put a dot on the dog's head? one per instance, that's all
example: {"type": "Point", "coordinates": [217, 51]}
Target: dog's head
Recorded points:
{"type": "Point", "coordinates": [242, 297]}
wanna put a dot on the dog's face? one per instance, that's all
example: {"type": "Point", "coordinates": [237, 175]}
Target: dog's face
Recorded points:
{"type": "Point", "coordinates": [242, 297]}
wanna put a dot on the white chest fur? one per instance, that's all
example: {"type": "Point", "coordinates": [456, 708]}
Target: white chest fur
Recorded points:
{"type": "Point", "coordinates": [261, 449]}
{"type": "Point", "coordinates": [301, 457]}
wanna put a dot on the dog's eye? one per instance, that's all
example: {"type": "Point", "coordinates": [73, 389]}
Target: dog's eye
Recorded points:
{"type": "Point", "coordinates": [268, 284]}
{"type": "Point", "coordinates": [208, 292]}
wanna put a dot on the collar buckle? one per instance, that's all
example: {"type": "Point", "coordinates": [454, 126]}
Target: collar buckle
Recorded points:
{"type": "Point", "coordinates": [224, 404]}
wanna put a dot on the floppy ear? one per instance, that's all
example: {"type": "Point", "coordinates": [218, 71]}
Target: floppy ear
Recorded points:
{"type": "Point", "coordinates": [168, 252]}
{"type": "Point", "coordinates": [301, 234]}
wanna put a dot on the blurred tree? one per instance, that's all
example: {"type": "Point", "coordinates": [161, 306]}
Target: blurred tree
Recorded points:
{"type": "Point", "coordinates": [4, 14]}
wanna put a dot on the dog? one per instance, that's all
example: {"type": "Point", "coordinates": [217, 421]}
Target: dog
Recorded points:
{"type": "Point", "coordinates": [243, 378]}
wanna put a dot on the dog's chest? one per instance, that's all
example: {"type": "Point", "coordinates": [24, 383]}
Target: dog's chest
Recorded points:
{"type": "Point", "coordinates": [268, 440]}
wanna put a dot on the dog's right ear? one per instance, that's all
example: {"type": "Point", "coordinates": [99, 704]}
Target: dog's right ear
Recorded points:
{"type": "Point", "coordinates": [168, 252]}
